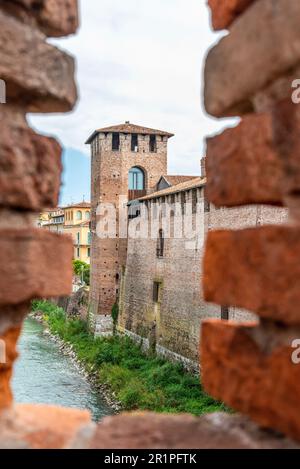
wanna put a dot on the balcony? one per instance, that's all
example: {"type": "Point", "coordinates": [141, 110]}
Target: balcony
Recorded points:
{"type": "Point", "coordinates": [136, 194]}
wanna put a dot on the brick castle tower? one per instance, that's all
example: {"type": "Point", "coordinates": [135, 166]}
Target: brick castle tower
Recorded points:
{"type": "Point", "coordinates": [126, 161]}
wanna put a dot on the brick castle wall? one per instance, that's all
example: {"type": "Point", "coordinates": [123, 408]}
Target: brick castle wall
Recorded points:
{"type": "Point", "coordinates": [178, 317]}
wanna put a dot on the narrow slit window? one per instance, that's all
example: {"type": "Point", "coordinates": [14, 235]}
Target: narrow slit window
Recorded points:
{"type": "Point", "coordinates": [160, 244]}
{"type": "Point", "coordinates": [156, 291]}
{"type": "Point", "coordinates": [206, 203]}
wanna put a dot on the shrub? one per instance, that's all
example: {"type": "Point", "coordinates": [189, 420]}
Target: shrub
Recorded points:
{"type": "Point", "coordinates": [115, 315]}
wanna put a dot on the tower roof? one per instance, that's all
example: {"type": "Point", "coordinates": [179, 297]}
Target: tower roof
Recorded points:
{"type": "Point", "coordinates": [129, 128]}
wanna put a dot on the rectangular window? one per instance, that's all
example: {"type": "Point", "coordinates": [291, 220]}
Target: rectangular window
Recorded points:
{"type": "Point", "coordinates": [156, 291]}
{"type": "Point", "coordinates": [225, 313]}
{"type": "Point", "coordinates": [134, 143]}
{"type": "Point", "coordinates": [78, 252]}
{"type": "Point", "coordinates": [153, 146]}
{"type": "Point", "coordinates": [89, 252]}
{"type": "Point", "coordinates": [116, 141]}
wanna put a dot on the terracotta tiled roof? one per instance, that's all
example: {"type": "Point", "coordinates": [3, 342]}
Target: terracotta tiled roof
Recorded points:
{"type": "Point", "coordinates": [79, 205]}
{"type": "Point", "coordinates": [128, 128]}
{"type": "Point", "coordinates": [177, 179]}
{"type": "Point", "coordinates": [183, 186]}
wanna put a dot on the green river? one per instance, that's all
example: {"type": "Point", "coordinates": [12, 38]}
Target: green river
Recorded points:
{"type": "Point", "coordinates": [44, 375]}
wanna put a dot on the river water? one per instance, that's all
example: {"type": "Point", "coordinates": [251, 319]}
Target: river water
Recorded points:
{"type": "Point", "coordinates": [44, 375]}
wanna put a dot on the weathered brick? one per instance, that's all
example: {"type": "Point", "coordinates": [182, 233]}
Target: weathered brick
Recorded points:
{"type": "Point", "coordinates": [38, 75]}
{"type": "Point", "coordinates": [8, 341]}
{"type": "Point", "coordinates": [241, 172]}
{"type": "Point", "coordinates": [12, 316]}
{"type": "Point", "coordinates": [226, 11]}
{"type": "Point", "coordinates": [279, 90]}
{"type": "Point", "coordinates": [54, 17]}
{"type": "Point", "coordinates": [30, 165]}
{"type": "Point", "coordinates": [241, 64]}
{"type": "Point", "coordinates": [243, 165]}
{"type": "Point", "coordinates": [286, 122]}
{"type": "Point", "coordinates": [261, 382]}
{"type": "Point", "coordinates": [35, 263]}
{"type": "Point", "coordinates": [28, 426]}
{"type": "Point", "coordinates": [149, 430]}
{"type": "Point", "coordinates": [256, 269]}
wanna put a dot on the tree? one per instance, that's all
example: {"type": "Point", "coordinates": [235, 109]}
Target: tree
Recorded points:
{"type": "Point", "coordinates": [82, 269]}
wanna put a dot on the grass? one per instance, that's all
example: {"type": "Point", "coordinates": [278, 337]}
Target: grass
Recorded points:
{"type": "Point", "coordinates": [139, 380]}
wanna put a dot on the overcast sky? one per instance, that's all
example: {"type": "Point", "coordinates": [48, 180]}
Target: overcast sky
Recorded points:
{"type": "Point", "coordinates": [142, 61]}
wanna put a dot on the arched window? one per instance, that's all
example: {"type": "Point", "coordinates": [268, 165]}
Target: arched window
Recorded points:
{"type": "Point", "coordinates": [87, 215]}
{"type": "Point", "coordinates": [160, 244]}
{"type": "Point", "coordinates": [136, 179]}
{"type": "Point", "coordinates": [79, 215]}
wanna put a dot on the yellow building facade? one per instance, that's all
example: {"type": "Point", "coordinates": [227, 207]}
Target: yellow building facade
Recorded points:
{"type": "Point", "coordinates": [73, 220]}
{"type": "Point", "coordinates": [52, 220]}
{"type": "Point", "coordinates": [77, 224]}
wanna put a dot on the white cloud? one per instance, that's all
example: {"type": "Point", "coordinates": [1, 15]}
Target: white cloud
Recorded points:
{"type": "Point", "coordinates": [141, 61]}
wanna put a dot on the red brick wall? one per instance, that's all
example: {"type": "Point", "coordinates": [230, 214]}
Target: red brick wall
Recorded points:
{"type": "Point", "coordinates": [39, 78]}
{"type": "Point", "coordinates": [250, 367]}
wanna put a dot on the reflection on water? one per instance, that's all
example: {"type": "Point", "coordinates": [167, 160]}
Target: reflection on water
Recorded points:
{"type": "Point", "coordinates": [44, 375]}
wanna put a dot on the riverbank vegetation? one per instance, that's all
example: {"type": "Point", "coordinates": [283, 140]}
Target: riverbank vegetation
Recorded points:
{"type": "Point", "coordinates": [138, 380]}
